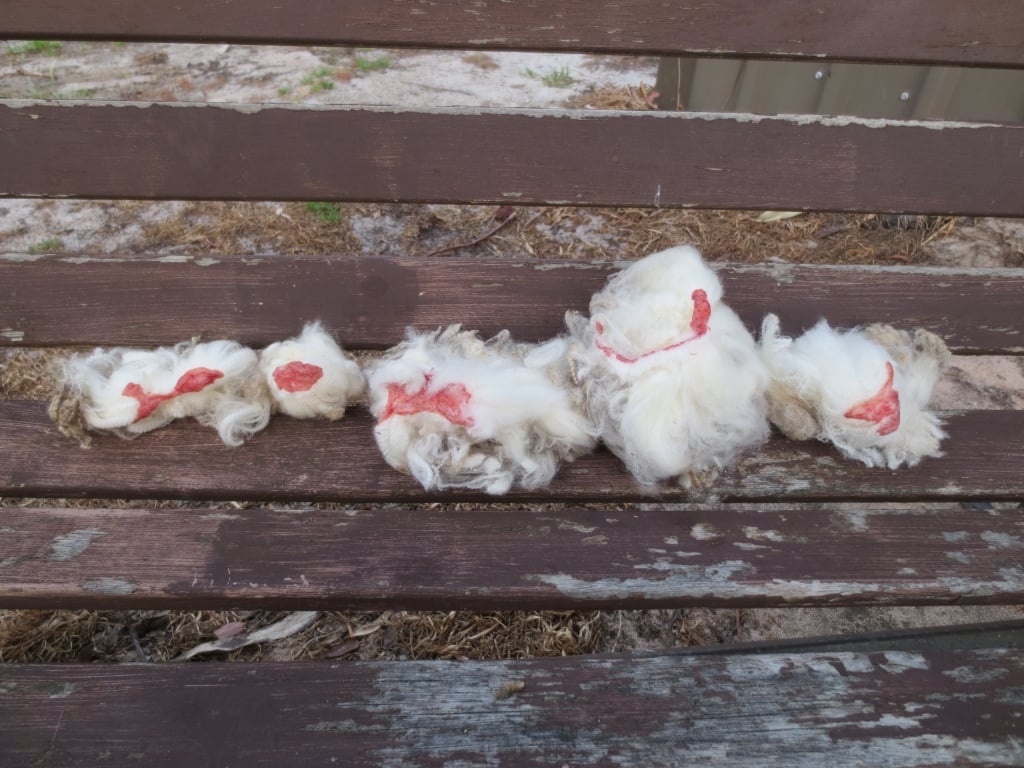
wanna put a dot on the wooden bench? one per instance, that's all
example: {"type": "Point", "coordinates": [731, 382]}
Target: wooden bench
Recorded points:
{"type": "Point", "coordinates": [952, 697]}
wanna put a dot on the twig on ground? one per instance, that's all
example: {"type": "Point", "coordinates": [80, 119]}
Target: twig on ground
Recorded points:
{"type": "Point", "coordinates": [503, 216]}
{"type": "Point", "coordinates": [143, 656]}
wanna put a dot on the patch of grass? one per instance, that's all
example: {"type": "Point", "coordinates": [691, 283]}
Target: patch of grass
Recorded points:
{"type": "Point", "coordinates": [372, 65]}
{"type": "Point", "coordinates": [284, 90]}
{"type": "Point", "coordinates": [39, 47]}
{"type": "Point", "coordinates": [79, 93]}
{"type": "Point", "coordinates": [49, 245]}
{"type": "Point", "coordinates": [329, 54]}
{"type": "Point", "coordinates": [556, 78]}
{"type": "Point", "coordinates": [42, 94]}
{"type": "Point", "coordinates": [320, 79]}
{"type": "Point", "coordinates": [325, 212]}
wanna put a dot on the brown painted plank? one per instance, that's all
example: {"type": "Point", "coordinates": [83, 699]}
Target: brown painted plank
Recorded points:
{"type": "Point", "coordinates": [369, 302]}
{"type": "Point", "coordinates": [517, 156]}
{"type": "Point", "coordinates": [295, 460]}
{"type": "Point", "coordinates": [925, 31]}
{"type": "Point", "coordinates": [895, 708]}
{"type": "Point", "coordinates": [400, 559]}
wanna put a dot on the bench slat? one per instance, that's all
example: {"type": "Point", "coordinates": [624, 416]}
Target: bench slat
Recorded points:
{"type": "Point", "coordinates": [400, 559]}
{"type": "Point", "coordinates": [520, 156]}
{"type": "Point", "coordinates": [894, 708]}
{"type": "Point", "coordinates": [929, 31]}
{"type": "Point", "coordinates": [296, 460]}
{"type": "Point", "coordinates": [369, 302]}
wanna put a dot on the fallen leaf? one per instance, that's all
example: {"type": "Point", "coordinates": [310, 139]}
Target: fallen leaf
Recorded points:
{"type": "Point", "coordinates": [344, 648]}
{"type": "Point", "coordinates": [770, 216]}
{"type": "Point", "coordinates": [229, 630]}
{"type": "Point", "coordinates": [368, 629]}
{"type": "Point", "coordinates": [286, 627]}
{"type": "Point", "coordinates": [509, 689]}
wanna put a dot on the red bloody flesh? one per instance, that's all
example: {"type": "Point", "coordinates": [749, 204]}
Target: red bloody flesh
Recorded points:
{"type": "Point", "coordinates": [882, 409]}
{"type": "Point", "coordinates": [698, 324]}
{"type": "Point", "coordinates": [701, 312]}
{"type": "Point", "coordinates": [297, 376]}
{"type": "Point", "coordinates": [450, 401]}
{"type": "Point", "coordinates": [193, 380]}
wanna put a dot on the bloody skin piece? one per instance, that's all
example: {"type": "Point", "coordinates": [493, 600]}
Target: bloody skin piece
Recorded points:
{"type": "Point", "coordinates": [882, 409]}
{"type": "Point", "coordinates": [194, 380]}
{"type": "Point", "coordinates": [449, 401]}
{"type": "Point", "coordinates": [698, 324]}
{"type": "Point", "coordinates": [297, 376]}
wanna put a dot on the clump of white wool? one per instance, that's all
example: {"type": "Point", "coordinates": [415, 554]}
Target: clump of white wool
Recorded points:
{"type": "Point", "coordinates": [671, 376]}
{"type": "Point", "coordinates": [310, 376]}
{"type": "Point", "coordinates": [457, 412]}
{"type": "Point", "coordinates": [865, 390]}
{"type": "Point", "coordinates": [128, 392]}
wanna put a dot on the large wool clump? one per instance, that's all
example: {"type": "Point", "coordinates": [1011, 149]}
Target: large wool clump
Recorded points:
{"type": "Point", "coordinates": [128, 392]}
{"type": "Point", "coordinates": [672, 377]}
{"type": "Point", "coordinates": [310, 376]}
{"type": "Point", "coordinates": [458, 412]}
{"type": "Point", "coordinates": [864, 390]}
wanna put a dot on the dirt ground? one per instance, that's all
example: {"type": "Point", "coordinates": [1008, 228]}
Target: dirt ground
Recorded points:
{"type": "Point", "coordinates": [247, 74]}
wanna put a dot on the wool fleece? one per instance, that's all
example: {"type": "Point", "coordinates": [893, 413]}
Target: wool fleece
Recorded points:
{"type": "Point", "coordinates": [128, 392]}
{"type": "Point", "coordinates": [310, 376]}
{"type": "Point", "coordinates": [458, 412]}
{"type": "Point", "coordinates": [671, 376]}
{"type": "Point", "coordinates": [865, 390]}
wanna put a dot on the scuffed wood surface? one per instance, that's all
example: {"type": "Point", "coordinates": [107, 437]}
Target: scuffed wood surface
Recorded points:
{"type": "Point", "coordinates": [400, 559]}
{"type": "Point", "coordinates": [894, 708]}
{"type": "Point", "coordinates": [369, 302]}
{"type": "Point", "coordinates": [504, 157]}
{"type": "Point", "coordinates": [339, 461]}
{"type": "Point", "coordinates": [930, 31]}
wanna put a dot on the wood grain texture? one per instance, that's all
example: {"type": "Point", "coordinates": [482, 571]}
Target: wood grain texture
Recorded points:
{"type": "Point", "coordinates": [369, 302]}
{"type": "Point", "coordinates": [521, 156]}
{"type": "Point", "coordinates": [894, 708]}
{"type": "Point", "coordinates": [400, 559]}
{"type": "Point", "coordinates": [923, 31]}
{"type": "Point", "coordinates": [303, 461]}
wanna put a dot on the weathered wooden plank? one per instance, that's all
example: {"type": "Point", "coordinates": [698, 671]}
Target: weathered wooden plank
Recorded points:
{"type": "Point", "coordinates": [930, 31]}
{"type": "Point", "coordinates": [369, 302]}
{"type": "Point", "coordinates": [893, 708]}
{"type": "Point", "coordinates": [302, 460]}
{"type": "Point", "coordinates": [516, 156]}
{"type": "Point", "coordinates": [217, 558]}
{"type": "Point", "coordinates": [951, 637]}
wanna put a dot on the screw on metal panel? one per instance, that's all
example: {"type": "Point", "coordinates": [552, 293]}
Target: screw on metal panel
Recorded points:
{"type": "Point", "coordinates": [819, 75]}
{"type": "Point", "coordinates": [905, 96]}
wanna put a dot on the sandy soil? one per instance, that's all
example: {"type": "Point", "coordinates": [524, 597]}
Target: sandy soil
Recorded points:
{"type": "Point", "coordinates": [247, 74]}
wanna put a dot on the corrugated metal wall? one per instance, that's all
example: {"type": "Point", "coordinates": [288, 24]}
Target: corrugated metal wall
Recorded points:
{"type": "Point", "coordinates": [865, 90]}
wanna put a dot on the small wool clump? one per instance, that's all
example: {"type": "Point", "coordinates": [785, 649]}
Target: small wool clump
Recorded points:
{"type": "Point", "coordinates": [457, 412]}
{"type": "Point", "coordinates": [128, 392]}
{"type": "Point", "coordinates": [310, 376]}
{"type": "Point", "coordinates": [865, 390]}
{"type": "Point", "coordinates": [672, 378]}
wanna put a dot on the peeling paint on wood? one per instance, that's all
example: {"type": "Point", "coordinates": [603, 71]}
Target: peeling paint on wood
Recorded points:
{"type": "Point", "coordinates": [70, 545]}
{"type": "Point", "coordinates": [303, 461]}
{"type": "Point", "coordinates": [999, 540]}
{"type": "Point", "coordinates": [921, 31]}
{"type": "Point", "coordinates": [257, 305]}
{"type": "Point", "coordinates": [551, 157]}
{"type": "Point", "coordinates": [108, 586]}
{"type": "Point", "coordinates": [667, 580]}
{"type": "Point", "coordinates": [886, 708]}
{"type": "Point", "coordinates": [267, 558]}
